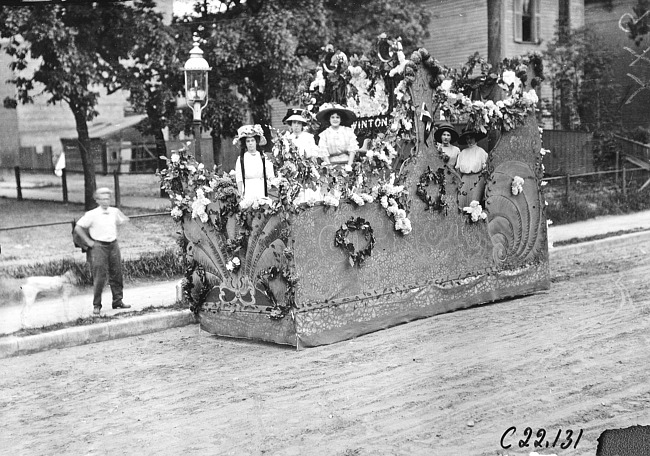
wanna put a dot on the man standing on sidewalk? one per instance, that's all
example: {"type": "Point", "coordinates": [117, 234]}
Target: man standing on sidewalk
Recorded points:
{"type": "Point", "coordinates": [101, 237]}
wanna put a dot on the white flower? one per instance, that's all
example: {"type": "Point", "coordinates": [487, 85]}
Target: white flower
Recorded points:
{"type": "Point", "coordinates": [517, 185]}
{"type": "Point", "coordinates": [446, 85]}
{"type": "Point", "coordinates": [175, 158]}
{"type": "Point", "coordinates": [544, 183]}
{"type": "Point", "coordinates": [176, 213]}
{"type": "Point", "coordinates": [510, 78]}
{"type": "Point", "coordinates": [330, 200]}
{"type": "Point", "coordinates": [367, 198]}
{"type": "Point", "coordinates": [403, 225]}
{"type": "Point", "coordinates": [530, 96]}
{"type": "Point", "coordinates": [357, 199]}
{"type": "Point", "coordinates": [549, 222]}
{"type": "Point", "coordinates": [233, 264]}
{"type": "Point", "coordinates": [384, 202]}
{"type": "Point", "coordinates": [543, 151]}
{"type": "Point", "coordinates": [191, 168]}
{"type": "Point", "coordinates": [475, 211]}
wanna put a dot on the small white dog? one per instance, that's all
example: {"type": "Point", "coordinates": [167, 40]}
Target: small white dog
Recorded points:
{"type": "Point", "coordinates": [32, 286]}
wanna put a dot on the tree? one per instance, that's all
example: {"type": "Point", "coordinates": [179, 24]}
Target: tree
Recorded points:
{"type": "Point", "coordinates": [264, 49]}
{"type": "Point", "coordinates": [75, 50]}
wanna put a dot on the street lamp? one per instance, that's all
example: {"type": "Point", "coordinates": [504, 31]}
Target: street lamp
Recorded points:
{"type": "Point", "coordinates": [196, 89]}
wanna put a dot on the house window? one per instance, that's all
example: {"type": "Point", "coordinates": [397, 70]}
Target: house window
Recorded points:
{"type": "Point", "coordinates": [527, 19]}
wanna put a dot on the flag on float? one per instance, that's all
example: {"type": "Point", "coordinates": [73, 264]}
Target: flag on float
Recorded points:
{"type": "Point", "coordinates": [427, 119]}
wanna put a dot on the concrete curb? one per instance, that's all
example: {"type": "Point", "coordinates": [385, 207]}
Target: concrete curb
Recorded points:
{"type": "Point", "coordinates": [606, 243]}
{"type": "Point", "coordinates": [88, 334]}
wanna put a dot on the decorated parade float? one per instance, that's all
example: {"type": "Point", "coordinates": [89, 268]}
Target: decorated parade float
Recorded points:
{"type": "Point", "coordinates": [338, 251]}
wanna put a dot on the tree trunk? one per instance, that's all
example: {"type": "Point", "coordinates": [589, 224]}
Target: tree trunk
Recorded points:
{"type": "Point", "coordinates": [216, 151]}
{"type": "Point", "coordinates": [87, 162]}
{"type": "Point", "coordinates": [495, 14]}
{"type": "Point", "coordinates": [161, 151]}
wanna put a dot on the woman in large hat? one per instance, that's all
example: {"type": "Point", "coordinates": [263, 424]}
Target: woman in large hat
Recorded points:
{"type": "Point", "coordinates": [253, 170]}
{"type": "Point", "coordinates": [298, 119]}
{"type": "Point", "coordinates": [445, 135]}
{"type": "Point", "coordinates": [338, 143]}
{"type": "Point", "coordinates": [471, 162]}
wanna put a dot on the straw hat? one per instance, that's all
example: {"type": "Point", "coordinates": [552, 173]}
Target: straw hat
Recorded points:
{"type": "Point", "coordinates": [250, 131]}
{"type": "Point", "coordinates": [299, 115]}
{"type": "Point", "coordinates": [327, 109]}
{"type": "Point", "coordinates": [470, 132]}
{"type": "Point", "coordinates": [445, 127]}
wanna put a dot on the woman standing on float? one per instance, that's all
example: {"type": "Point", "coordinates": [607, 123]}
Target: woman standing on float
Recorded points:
{"type": "Point", "coordinates": [471, 163]}
{"type": "Point", "coordinates": [338, 143]}
{"type": "Point", "coordinates": [252, 169]}
{"type": "Point", "coordinates": [297, 120]}
{"type": "Point", "coordinates": [445, 135]}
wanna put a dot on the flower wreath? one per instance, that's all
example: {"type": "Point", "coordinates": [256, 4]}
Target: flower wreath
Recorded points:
{"type": "Point", "coordinates": [188, 284]}
{"type": "Point", "coordinates": [277, 311]}
{"type": "Point", "coordinates": [438, 177]}
{"type": "Point", "coordinates": [355, 257]}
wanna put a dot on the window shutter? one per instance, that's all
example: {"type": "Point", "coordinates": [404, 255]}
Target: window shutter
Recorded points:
{"type": "Point", "coordinates": [517, 11]}
{"type": "Point", "coordinates": [537, 32]}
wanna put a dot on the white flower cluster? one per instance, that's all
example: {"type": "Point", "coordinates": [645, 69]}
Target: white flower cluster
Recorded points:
{"type": "Point", "coordinates": [517, 185]}
{"type": "Point", "coordinates": [331, 200]}
{"type": "Point", "coordinates": [199, 204]}
{"type": "Point", "coordinates": [543, 151]}
{"type": "Point", "coordinates": [361, 198]}
{"type": "Point", "coordinates": [367, 105]}
{"type": "Point", "coordinates": [382, 151]}
{"type": "Point", "coordinates": [475, 211]}
{"type": "Point", "coordinates": [255, 203]}
{"type": "Point", "coordinates": [233, 264]}
{"type": "Point", "coordinates": [176, 213]}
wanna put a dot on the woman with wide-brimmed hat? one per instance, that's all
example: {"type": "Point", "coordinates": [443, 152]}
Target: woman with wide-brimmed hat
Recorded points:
{"type": "Point", "coordinates": [338, 143]}
{"type": "Point", "coordinates": [253, 170]}
{"type": "Point", "coordinates": [298, 119]}
{"type": "Point", "coordinates": [471, 162]}
{"type": "Point", "coordinates": [445, 135]}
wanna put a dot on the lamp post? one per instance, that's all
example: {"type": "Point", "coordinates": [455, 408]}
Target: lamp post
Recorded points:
{"type": "Point", "coordinates": [196, 89]}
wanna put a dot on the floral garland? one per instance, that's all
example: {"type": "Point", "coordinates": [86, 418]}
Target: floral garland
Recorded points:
{"type": "Point", "coordinates": [438, 177]}
{"type": "Point", "coordinates": [188, 283]}
{"type": "Point", "coordinates": [355, 257]}
{"type": "Point", "coordinates": [278, 311]}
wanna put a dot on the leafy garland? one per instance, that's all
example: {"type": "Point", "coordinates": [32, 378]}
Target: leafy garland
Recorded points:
{"type": "Point", "coordinates": [355, 257]}
{"type": "Point", "coordinates": [278, 311]}
{"type": "Point", "coordinates": [438, 177]}
{"type": "Point", "coordinates": [188, 284]}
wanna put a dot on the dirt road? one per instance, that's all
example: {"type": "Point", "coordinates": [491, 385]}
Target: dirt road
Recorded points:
{"type": "Point", "coordinates": [574, 358]}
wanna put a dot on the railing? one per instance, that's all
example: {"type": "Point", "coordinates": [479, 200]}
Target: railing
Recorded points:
{"type": "Point", "coordinates": [73, 222]}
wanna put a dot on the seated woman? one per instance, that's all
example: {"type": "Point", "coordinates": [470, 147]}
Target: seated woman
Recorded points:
{"type": "Point", "coordinates": [297, 119]}
{"type": "Point", "coordinates": [338, 143]}
{"type": "Point", "coordinates": [445, 135]}
{"type": "Point", "coordinates": [471, 162]}
{"type": "Point", "coordinates": [253, 170]}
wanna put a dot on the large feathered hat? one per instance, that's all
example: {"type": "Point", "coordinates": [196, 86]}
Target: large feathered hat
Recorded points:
{"type": "Point", "coordinates": [250, 131]}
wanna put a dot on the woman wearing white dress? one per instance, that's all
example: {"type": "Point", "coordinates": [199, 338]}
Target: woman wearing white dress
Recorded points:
{"type": "Point", "coordinates": [253, 170]}
{"type": "Point", "coordinates": [297, 119]}
{"type": "Point", "coordinates": [338, 143]}
{"type": "Point", "coordinates": [471, 162]}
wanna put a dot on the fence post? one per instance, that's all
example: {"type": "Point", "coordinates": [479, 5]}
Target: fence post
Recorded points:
{"type": "Point", "coordinates": [116, 184]}
{"type": "Point", "coordinates": [624, 182]}
{"type": "Point", "coordinates": [616, 167]}
{"type": "Point", "coordinates": [64, 185]}
{"type": "Point", "coordinates": [19, 190]}
{"type": "Point", "coordinates": [567, 187]}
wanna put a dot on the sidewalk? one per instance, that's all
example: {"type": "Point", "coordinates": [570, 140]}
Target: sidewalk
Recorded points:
{"type": "Point", "coordinates": [160, 295]}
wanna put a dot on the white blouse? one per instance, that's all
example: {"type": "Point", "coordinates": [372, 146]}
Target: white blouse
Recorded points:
{"type": "Point", "coordinates": [337, 144]}
{"type": "Point", "coordinates": [305, 144]}
{"type": "Point", "coordinates": [471, 160]}
{"type": "Point", "coordinates": [254, 185]}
